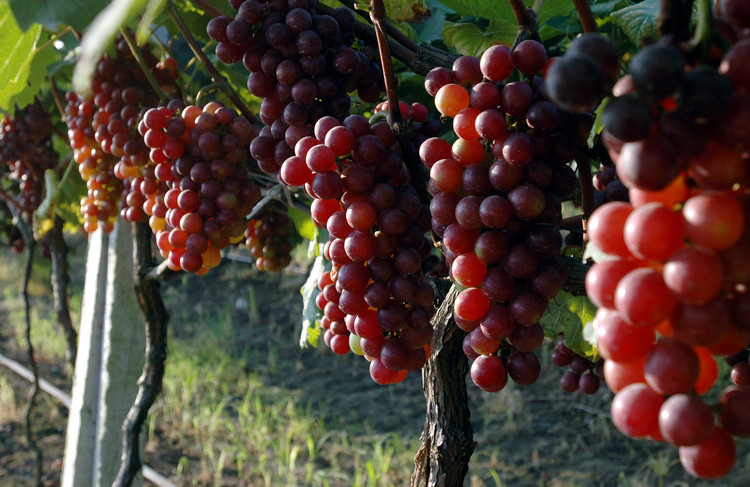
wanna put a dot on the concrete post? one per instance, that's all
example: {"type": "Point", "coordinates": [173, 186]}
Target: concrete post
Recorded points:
{"type": "Point", "coordinates": [124, 344]}
{"type": "Point", "coordinates": [110, 360]}
{"type": "Point", "coordinates": [80, 440]}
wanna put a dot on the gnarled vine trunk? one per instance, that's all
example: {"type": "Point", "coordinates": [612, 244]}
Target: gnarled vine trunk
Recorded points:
{"type": "Point", "coordinates": [447, 441]}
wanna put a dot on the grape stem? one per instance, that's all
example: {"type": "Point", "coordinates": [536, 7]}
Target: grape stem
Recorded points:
{"type": "Point", "coordinates": [526, 19]}
{"type": "Point", "coordinates": [587, 191]}
{"type": "Point", "coordinates": [52, 39]}
{"type": "Point", "coordinates": [28, 237]}
{"type": "Point", "coordinates": [396, 119]}
{"type": "Point", "coordinates": [11, 201]}
{"type": "Point", "coordinates": [31, 397]}
{"type": "Point", "coordinates": [215, 74]}
{"type": "Point", "coordinates": [60, 279]}
{"type": "Point", "coordinates": [208, 8]}
{"type": "Point", "coordinates": [703, 25]}
{"type": "Point", "coordinates": [57, 96]}
{"type": "Point", "coordinates": [136, 51]}
{"type": "Point", "coordinates": [586, 16]}
{"type": "Point", "coordinates": [392, 31]}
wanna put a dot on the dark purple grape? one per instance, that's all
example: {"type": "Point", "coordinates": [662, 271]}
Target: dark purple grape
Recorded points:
{"type": "Point", "coordinates": [657, 70]}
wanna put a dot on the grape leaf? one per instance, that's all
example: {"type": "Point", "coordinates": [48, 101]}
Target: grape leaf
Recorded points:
{"type": "Point", "coordinates": [153, 9]}
{"type": "Point", "coordinates": [638, 21]}
{"type": "Point", "coordinates": [52, 13]}
{"type": "Point", "coordinates": [302, 222]}
{"type": "Point", "coordinates": [43, 59]}
{"type": "Point", "coordinates": [16, 57]}
{"type": "Point", "coordinates": [482, 9]}
{"type": "Point", "coordinates": [407, 10]}
{"type": "Point", "coordinates": [569, 314]}
{"type": "Point", "coordinates": [432, 29]}
{"type": "Point", "coordinates": [99, 35]}
{"type": "Point", "coordinates": [555, 8]}
{"type": "Point", "coordinates": [466, 39]}
{"type": "Point", "coordinates": [604, 9]}
{"type": "Point", "coordinates": [310, 313]}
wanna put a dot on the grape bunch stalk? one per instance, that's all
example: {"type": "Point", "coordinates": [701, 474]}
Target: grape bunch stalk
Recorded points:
{"type": "Point", "coordinates": [672, 285]}
{"type": "Point", "coordinates": [497, 193]}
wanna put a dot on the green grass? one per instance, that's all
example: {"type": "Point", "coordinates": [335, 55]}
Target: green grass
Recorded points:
{"type": "Point", "coordinates": [234, 422]}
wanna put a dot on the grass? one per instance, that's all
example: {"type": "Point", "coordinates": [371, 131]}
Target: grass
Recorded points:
{"type": "Point", "coordinates": [8, 410]}
{"type": "Point", "coordinates": [235, 423]}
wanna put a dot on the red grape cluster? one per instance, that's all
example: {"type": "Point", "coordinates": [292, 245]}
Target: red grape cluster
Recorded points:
{"type": "Point", "coordinates": [201, 157]}
{"type": "Point", "coordinates": [673, 288]}
{"type": "Point", "coordinates": [104, 129]}
{"type": "Point", "coordinates": [301, 65]}
{"type": "Point", "coordinates": [583, 374]}
{"type": "Point", "coordinates": [122, 93]}
{"type": "Point", "coordinates": [268, 237]}
{"type": "Point", "coordinates": [96, 167]}
{"type": "Point", "coordinates": [497, 203]}
{"type": "Point", "coordinates": [375, 299]}
{"type": "Point", "coordinates": [26, 152]}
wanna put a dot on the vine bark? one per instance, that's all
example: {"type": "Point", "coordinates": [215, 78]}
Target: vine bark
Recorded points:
{"type": "Point", "coordinates": [447, 440]}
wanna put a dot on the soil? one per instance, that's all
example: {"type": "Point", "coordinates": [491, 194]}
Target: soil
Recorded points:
{"type": "Point", "coordinates": [533, 436]}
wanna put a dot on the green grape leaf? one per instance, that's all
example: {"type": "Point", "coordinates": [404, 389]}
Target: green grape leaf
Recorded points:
{"type": "Point", "coordinates": [153, 9]}
{"type": "Point", "coordinates": [407, 10]}
{"type": "Point", "coordinates": [51, 195]}
{"type": "Point", "coordinates": [466, 39]}
{"type": "Point", "coordinates": [43, 59]}
{"type": "Point", "coordinates": [595, 254]}
{"type": "Point", "coordinates": [569, 314]}
{"type": "Point", "coordinates": [431, 29]}
{"type": "Point", "coordinates": [482, 9]}
{"type": "Point", "coordinates": [16, 57]}
{"type": "Point", "coordinates": [99, 35]}
{"type": "Point", "coordinates": [555, 8]}
{"type": "Point", "coordinates": [604, 9]}
{"type": "Point", "coordinates": [638, 21]}
{"type": "Point", "coordinates": [52, 13]}
{"type": "Point", "coordinates": [310, 314]}
{"type": "Point", "coordinates": [302, 222]}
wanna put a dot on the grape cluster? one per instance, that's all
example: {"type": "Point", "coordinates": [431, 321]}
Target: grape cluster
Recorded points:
{"type": "Point", "coordinates": [375, 300]}
{"type": "Point", "coordinates": [497, 203]}
{"type": "Point", "coordinates": [583, 374]}
{"type": "Point", "coordinates": [103, 132]}
{"type": "Point", "coordinates": [268, 237]}
{"type": "Point", "coordinates": [26, 152]}
{"type": "Point", "coordinates": [301, 64]}
{"type": "Point", "coordinates": [200, 155]}
{"type": "Point", "coordinates": [673, 289]}
{"type": "Point", "coordinates": [100, 205]}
